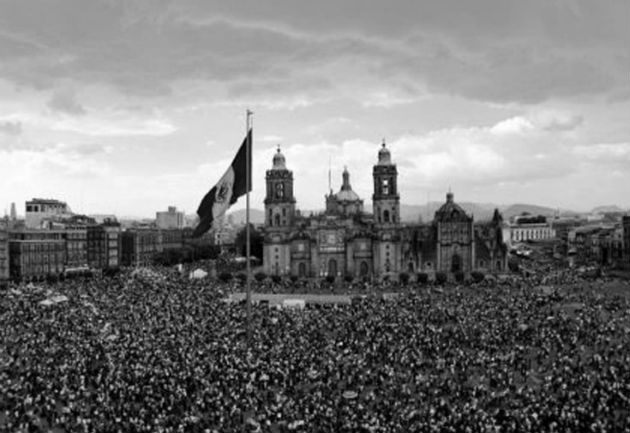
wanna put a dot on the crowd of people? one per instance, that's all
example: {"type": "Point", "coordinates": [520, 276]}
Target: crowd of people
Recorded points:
{"type": "Point", "coordinates": [158, 352]}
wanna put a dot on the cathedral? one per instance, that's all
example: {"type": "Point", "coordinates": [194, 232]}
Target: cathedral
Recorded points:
{"type": "Point", "coordinates": [344, 240]}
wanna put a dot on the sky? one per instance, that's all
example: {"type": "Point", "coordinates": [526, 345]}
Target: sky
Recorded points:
{"type": "Point", "coordinates": [128, 107]}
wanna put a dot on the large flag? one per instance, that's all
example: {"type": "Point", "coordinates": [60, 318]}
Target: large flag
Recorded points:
{"type": "Point", "coordinates": [228, 189]}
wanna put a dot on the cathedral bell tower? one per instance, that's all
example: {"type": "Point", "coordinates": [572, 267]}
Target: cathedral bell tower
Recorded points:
{"type": "Point", "coordinates": [385, 200]}
{"type": "Point", "coordinates": [279, 200]}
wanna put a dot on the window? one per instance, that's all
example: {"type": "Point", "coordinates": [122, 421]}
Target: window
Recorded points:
{"type": "Point", "coordinates": [385, 186]}
{"type": "Point", "coordinates": [386, 216]}
{"type": "Point", "coordinates": [270, 217]}
{"type": "Point", "coordinates": [280, 190]}
{"type": "Point", "coordinates": [29, 208]}
{"type": "Point", "coordinates": [284, 212]}
{"type": "Point", "coordinates": [277, 220]}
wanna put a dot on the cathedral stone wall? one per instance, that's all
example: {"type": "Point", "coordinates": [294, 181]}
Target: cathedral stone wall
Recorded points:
{"type": "Point", "coordinates": [345, 241]}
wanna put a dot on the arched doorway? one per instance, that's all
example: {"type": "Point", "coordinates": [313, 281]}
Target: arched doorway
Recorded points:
{"type": "Point", "coordinates": [410, 268]}
{"type": "Point", "coordinates": [332, 267]}
{"type": "Point", "coordinates": [456, 263]}
{"type": "Point", "coordinates": [302, 270]}
{"type": "Point", "coordinates": [364, 269]}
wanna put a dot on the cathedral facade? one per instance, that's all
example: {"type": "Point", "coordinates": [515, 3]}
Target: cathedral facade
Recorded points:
{"type": "Point", "coordinates": [344, 240]}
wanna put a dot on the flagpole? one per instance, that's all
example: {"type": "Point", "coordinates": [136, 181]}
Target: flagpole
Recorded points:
{"type": "Point", "coordinates": [247, 231]}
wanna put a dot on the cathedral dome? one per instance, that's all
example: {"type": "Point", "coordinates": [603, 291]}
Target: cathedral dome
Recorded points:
{"type": "Point", "coordinates": [384, 156]}
{"type": "Point", "coordinates": [346, 193]}
{"type": "Point", "coordinates": [279, 162]}
{"type": "Point", "coordinates": [451, 211]}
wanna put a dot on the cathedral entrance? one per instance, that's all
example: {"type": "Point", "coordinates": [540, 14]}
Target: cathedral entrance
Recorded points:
{"type": "Point", "coordinates": [456, 263]}
{"type": "Point", "coordinates": [364, 269]}
{"type": "Point", "coordinates": [332, 267]}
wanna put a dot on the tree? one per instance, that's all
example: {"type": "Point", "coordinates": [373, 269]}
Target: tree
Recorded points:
{"type": "Point", "coordinates": [225, 276]}
{"type": "Point", "coordinates": [255, 239]}
{"type": "Point", "coordinates": [441, 277]}
{"type": "Point", "coordinates": [477, 276]}
{"type": "Point", "coordinates": [459, 276]}
{"type": "Point", "coordinates": [404, 278]}
{"type": "Point", "coordinates": [423, 277]}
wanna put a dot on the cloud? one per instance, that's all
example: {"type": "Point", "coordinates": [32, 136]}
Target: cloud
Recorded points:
{"type": "Point", "coordinates": [65, 102]}
{"type": "Point", "coordinates": [272, 139]}
{"type": "Point", "coordinates": [605, 152]}
{"type": "Point", "coordinates": [523, 52]}
{"type": "Point", "coordinates": [105, 123]}
{"type": "Point", "coordinates": [557, 120]}
{"type": "Point", "coordinates": [513, 125]}
{"type": "Point", "coordinates": [11, 128]}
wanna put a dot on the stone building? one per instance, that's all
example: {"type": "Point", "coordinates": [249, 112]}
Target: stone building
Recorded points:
{"type": "Point", "coordinates": [526, 228]}
{"type": "Point", "coordinates": [4, 253]}
{"type": "Point", "coordinates": [104, 245]}
{"type": "Point", "coordinates": [36, 254]}
{"type": "Point", "coordinates": [344, 240]}
{"type": "Point", "coordinates": [40, 210]}
{"type": "Point", "coordinates": [171, 219]}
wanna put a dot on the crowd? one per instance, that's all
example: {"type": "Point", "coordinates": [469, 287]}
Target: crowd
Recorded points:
{"type": "Point", "coordinates": [161, 353]}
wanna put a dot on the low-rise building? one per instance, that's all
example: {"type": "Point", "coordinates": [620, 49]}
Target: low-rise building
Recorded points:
{"type": "Point", "coordinates": [528, 228]}
{"type": "Point", "coordinates": [625, 225]}
{"type": "Point", "coordinates": [139, 246]}
{"type": "Point", "coordinates": [104, 245]}
{"type": "Point", "coordinates": [40, 210]}
{"type": "Point", "coordinates": [601, 243]}
{"type": "Point", "coordinates": [171, 219]}
{"type": "Point", "coordinates": [170, 239]}
{"type": "Point", "coordinates": [36, 254]}
{"type": "Point", "coordinates": [76, 249]}
{"type": "Point", "coordinates": [4, 254]}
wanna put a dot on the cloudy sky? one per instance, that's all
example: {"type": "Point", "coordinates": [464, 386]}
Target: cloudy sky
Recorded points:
{"type": "Point", "coordinates": [127, 107]}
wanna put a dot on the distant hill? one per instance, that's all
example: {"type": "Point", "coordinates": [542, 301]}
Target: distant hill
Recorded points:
{"type": "Point", "coordinates": [532, 209]}
{"type": "Point", "coordinates": [256, 216]}
{"type": "Point", "coordinates": [607, 209]}
{"type": "Point", "coordinates": [426, 212]}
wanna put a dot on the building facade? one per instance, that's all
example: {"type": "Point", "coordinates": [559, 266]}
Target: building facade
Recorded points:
{"type": "Point", "coordinates": [104, 245]}
{"type": "Point", "coordinates": [76, 249]}
{"type": "Point", "coordinates": [527, 228]}
{"type": "Point", "coordinates": [625, 242]}
{"type": "Point", "coordinates": [171, 219]}
{"type": "Point", "coordinates": [139, 246]}
{"type": "Point", "coordinates": [346, 241]}
{"type": "Point", "coordinates": [4, 254]}
{"type": "Point", "coordinates": [36, 254]}
{"type": "Point", "coordinates": [39, 210]}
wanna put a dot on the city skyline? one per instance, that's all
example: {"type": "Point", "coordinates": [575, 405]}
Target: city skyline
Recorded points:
{"type": "Point", "coordinates": [131, 107]}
